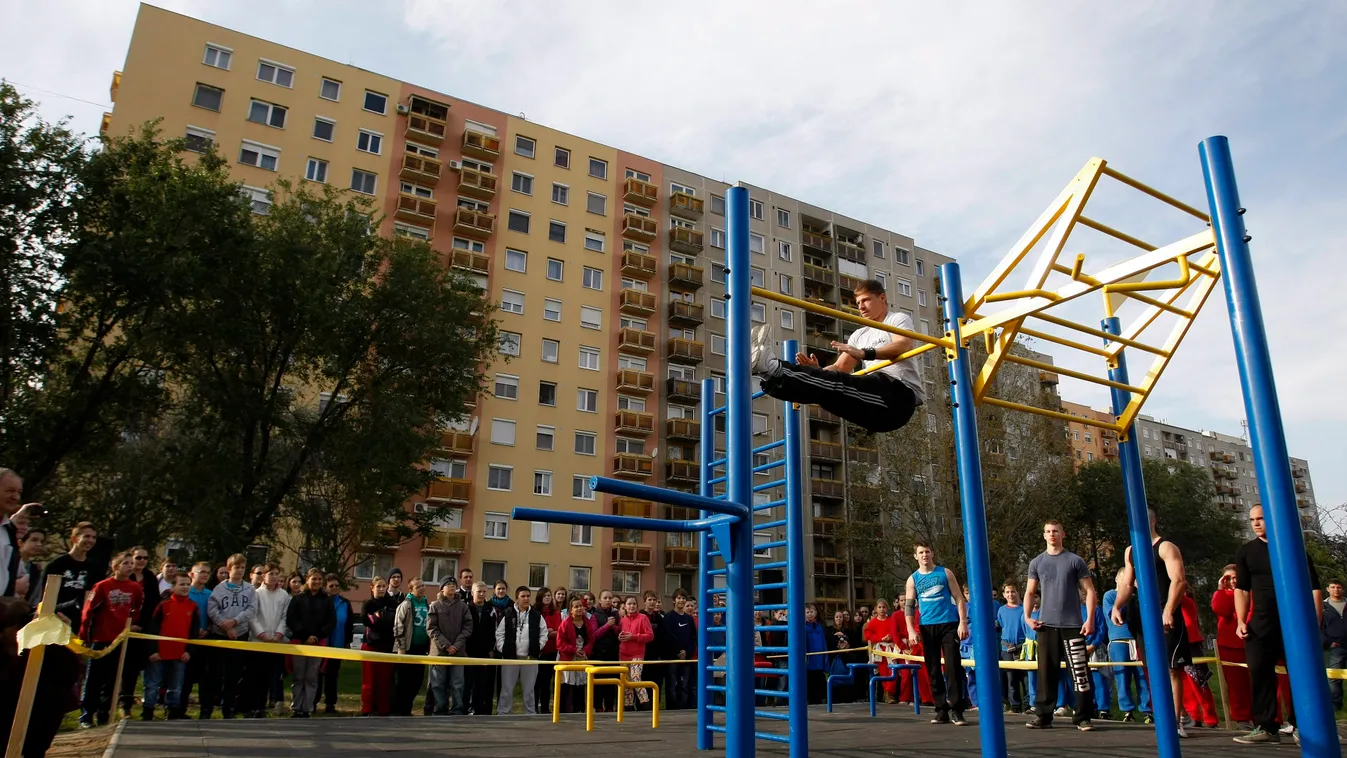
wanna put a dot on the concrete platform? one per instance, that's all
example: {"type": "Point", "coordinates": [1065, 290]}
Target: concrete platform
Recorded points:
{"type": "Point", "coordinates": [847, 732]}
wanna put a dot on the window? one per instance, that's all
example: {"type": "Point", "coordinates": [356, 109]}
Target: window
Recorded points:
{"type": "Point", "coordinates": [591, 317]}
{"type": "Point", "coordinates": [921, 267]}
{"type": "Point", "coordinates": [783, 218]}
{"type": "Point", "coordinates": [371, 566]}
{"type": "Point", "coordinates": [412, 232]}
{"type": "Point", "coordinates": [546, 436]}
{"type": "Point", "coordinates": [784, 283]}
{"type": "Point", "coordinates": [580, 489]}
{"type": "Point", "coordinates": [755, 209]}
{"type": "Point", "coordinates": [759, 423]}
{"type": "Point", "coordinates": [552, 309]}
{"type": "Point", "coordinates": [261, 156]}
{"type": "Point", "coordinates": [556, 231]}
{"type": "Point", "coordinates": [542, 483]}
{"type": "Point", "coordinates": [538, 571]}
{"type": "Point", "coordinates": [207, 97]}
{"type": "Point", "coordinates": [902, 256]}
{"type": "Point", "coordinates": [259, 199]}
{"type": "Point", "coordinates": [369, 142]}
{"type": "Point", "coordinates": [598, 169]}
{"type": "Point", "coordinates": [717, 238]}
{"type": "Point", "coordinates": [717, 308]}
{"type": "Point", "coordinates": [717, 273]}
{"type": "Point", "coordinates": [596, 203]}
{"type": "Point", "coordinates": [547, 393]}
{"type": "Point", "coordinates": [540, 532]}
{"type": "Point", "coordinates": [217, 56]}
{"type": "Point", "coordinates": [329, 89]}
{"type": "Point", "coordinates": [436, 570]}
{"type": "Point", "coordinates": [270, 114]}
{"type": "Point", "coordinates": [499, 478]}
{"type": "Point", "coordinates": [758, 312]}
{"type": "Point", "coordinates": [593, 279]}
{"type": "Point", "coordinates": [585, 443]}
{"type": "Point", "coordinates": [783, 250]}
{"type": "Point", "coordinates": [376, 103]}
{"type": "Point", "coordinates": [718, 344]}
{"type": "Point", "coordinates": [589, 358]}
{"type": "Point", "coordinates": [880, 277]}
{"type": "Point", "coordinates": [551, 352]}
{"type": "Point", "coordinates": [275, 73]}
{"type": "Point", "coordinates": [921, 298]}
{"type": "Point", "coordinates": [497, 528]}
{"type": "Point", "coordinates": [756, 243]}
{"type": "Point", "coordinates": [554, 269]}
{"type": "Point", "coordinates": [877, 248]}
{"type": "Point", "coordinates": [516, 260]}
{"type": "Point", "coordinates": [562, 157]}
{"type": "Point", "coordinates": [579, 579]}
{"type": "Point", "coordinates": [521, 183]}
{"type": "Point", "coordinates": [407, 188]}
{"type": "Point", "coordinates": [787, 319]}
{"type": "Point", "coordinates": [904, 287]}
{"type": "Point", "coordinates": [323, 128]}
{"type": "Point", "coordinates": [561, 194]}
{"type": "Point", "coordinates": [594, 241]}
{"type": "Point", "coordinates": [363, 181]}
{"type": "Point", "coordinates": [198, 140]}
{"type": "Point", "coordinates": [493, 571]}
{"type": "Point", "coordinates": [758, 277]}
{"type": "Point", "coordinates": [507, 387]}
{"type": "Point", "coordinates": [524, 146]}
{"type": "Point", "coordinates": [502, 431]}
{"type": "Point", "coordinates": [582, 535]}
{"type": "Point", "coordinates": [627, 582]}
{"type": "Point", "coordinates": [519, 222]}
{"type": "Point", "coordinates": [316, 171]}
{"type": "Point", "coordinates": [718, 205]}
{"type": "Point", "coordinates": [587, 400]}
{"type": "Point", "coordinates": [509, 343]}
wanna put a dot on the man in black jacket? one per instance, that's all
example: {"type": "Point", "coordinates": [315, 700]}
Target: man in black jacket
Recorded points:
{"type": "Point", "coordinates": [605, 648]}
{"type": "Point", "coordinates": [681, 634]}
{"type": "Point", "coordinates": [479, 681]}
{"type": "Point", "coordinates": [520, 635]}
{"type": "Point", "coordinates": [1334, 630]}
{"type": "Point", "coordinates": [658, 649]}
{"type": "Point", "coordinates": [311, 618]}
{"type": "Point", "coordinates": [138, 651]}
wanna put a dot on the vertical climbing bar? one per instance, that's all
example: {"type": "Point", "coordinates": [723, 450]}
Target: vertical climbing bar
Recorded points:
{"type": "Point", "coordinates": [986, 651]}
{"type": "Point", "coordinates": [797, 669]}
{"type": "Point", "coordinates": [738, 555]}
{"type": "Point", "coordinates": [1286, 543]}
{"type": "Point", "coordinates": [1148, 583]}
{"type": "Point", "coordinates": [705, 564]}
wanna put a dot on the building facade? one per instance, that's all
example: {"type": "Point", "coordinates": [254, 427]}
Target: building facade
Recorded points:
{"type": "Point", "coordinates": [607, 267]}
{"type": "Point", "coordinates": [1090, 443]}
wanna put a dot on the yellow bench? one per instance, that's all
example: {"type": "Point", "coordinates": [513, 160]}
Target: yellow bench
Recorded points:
{"type": "Point", "coordinates": [622, 682]}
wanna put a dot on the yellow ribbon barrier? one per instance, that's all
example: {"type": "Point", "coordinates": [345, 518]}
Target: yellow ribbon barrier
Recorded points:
{"type": "Point", "coordinates": [1033, 665]}
{"type": "Point", "coordinates": [53, 630]}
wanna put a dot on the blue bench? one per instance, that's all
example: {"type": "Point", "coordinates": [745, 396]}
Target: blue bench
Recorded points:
{"type": "Point", "coordinates": [894, 668]}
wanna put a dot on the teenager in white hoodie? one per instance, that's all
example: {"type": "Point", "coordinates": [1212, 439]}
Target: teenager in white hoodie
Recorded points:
{"type": "Point", "coordinates": [267, 625]}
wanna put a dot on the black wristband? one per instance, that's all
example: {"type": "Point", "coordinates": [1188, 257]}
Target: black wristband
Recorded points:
{"type": "Point", "coordinates": [869, 353]}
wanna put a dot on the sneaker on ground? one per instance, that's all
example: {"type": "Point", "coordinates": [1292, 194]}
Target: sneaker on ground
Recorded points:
{"type": "Point", "coordinates": [1129, 717]}
{"type": "Point", "coordinates": [1085, 726]}
{"type": "Point", "coordinates": [761, 360]}
{"type": "Point", "coordinates": [1147, 719]}
{"type": "Point", "coordinates": [1258, 737]}
{"type": "Point", "coordinates": [1287, 728]}
{"type": "Point", "coordinates": [1039, 724]}
{"type": "Point", "coordinates": [1104, 716]}
{"type": "Point", "coordinates": [956, 718]}
{"type": "Point", "coordinates": [1183, 733]}
{"type": "Point", "coordinates": [1061, 712]}
{"type": "Point", "coordinates": [941, 718]}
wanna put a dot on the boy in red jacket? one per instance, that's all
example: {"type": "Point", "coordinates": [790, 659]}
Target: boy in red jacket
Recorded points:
{"type": "Point", "coordinates": [1198, 700]}
{"type": "Point", "coordinates": [111, 603]}
{"type": "Point", "coordinates": [178, 616]}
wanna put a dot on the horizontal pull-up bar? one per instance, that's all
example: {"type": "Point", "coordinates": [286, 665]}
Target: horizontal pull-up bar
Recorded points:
{"type": "Point", "coordinates": [999, 297]}
{"type": "Point", "coordinates": [610, 521]}
{"type": "Point", "coordinates": [1155, 193]}
{"type": "Point", "coordinates": [909, 354]}
{"type": "Point", "coordinates": [1100, 333]}
{"type": "Point", "coordinates": [1063, 341]}
{"type": "Point", "coordinates": [1162, 305]}
{"type": "Point", "coordinates": [623, 488]}
{"type": "Point", "coordinates": [824, 310]}
{"type": "Point", "coordinates": [1084, 377]}
{"type": "Point", "coordinates": [1047, 412]}
{"type": "Point", "coordinates": [1114, 233]}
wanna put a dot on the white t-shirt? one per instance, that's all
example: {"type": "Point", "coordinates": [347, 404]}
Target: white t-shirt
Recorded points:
{"type": "Point", "coordinates": [904, 371]}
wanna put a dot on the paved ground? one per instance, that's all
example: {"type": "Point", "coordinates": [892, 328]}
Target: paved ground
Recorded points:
{"type": "Point", "coordinates": [848, 732]}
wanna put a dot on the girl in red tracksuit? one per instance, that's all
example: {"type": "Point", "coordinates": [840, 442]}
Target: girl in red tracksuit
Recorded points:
{"type": "Point", "coordinates": [1198, 700]}
{"type": "Point", "coordinates": [376, 681]}
{"type": "Point", "coordinates": [633, 634]}
{"type": "Point", "coordinates": [111, 604]}
{"type": "Point", "coordinates": [575, 642]}
{"type": "Point", "coordinates": [881, 631]}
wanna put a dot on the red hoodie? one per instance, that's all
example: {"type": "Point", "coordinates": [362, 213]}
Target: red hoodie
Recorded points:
{"type": "Point", "coordinates": [1189, 608]}
{"type": "Point", "coordinates": [175, 617]}
{"type": "Point", "coordinates": [1223, 604]}
{"type": "Point", "coordinates": [641, 634]}
{"type": "Point", "coordinates": [553, 622]}
{"type": "Point", "coordinates": [567, 645]}
{"type": "Point", "coordinates": [111, 603]}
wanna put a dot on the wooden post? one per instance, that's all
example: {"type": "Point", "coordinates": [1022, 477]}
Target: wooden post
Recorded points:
{"type": "Point", "coordinates": [121, 665]}
{"type": "Point", "coordinates": [19, 731]}
{"type": "Point", "coordinates": [1220, 679]}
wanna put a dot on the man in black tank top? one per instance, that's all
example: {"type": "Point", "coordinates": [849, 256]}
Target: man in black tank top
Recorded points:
{"type": "Point", "coordinates": [1172, 584]}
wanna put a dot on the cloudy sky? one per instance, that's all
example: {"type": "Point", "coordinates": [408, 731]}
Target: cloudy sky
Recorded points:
{"type": "Point", "coordinates": [954, 122]}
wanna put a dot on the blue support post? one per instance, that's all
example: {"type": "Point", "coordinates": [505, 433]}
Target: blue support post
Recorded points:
{"type": "Point", "coordinates": [704, 561]}
{"type": "Point", "coordinates": [1290, 572]}
{"type": "Point", "coordinates": [797, 661]}
{"type": "Point", "coordinates": [986, 651]}
{"type": "Point", "coordinates": [1148, 582]}
{"type": "Point", "coordinates": [739, 696]}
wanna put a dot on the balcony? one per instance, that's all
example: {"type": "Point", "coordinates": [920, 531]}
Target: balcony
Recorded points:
{"type": "Point", "coordinates": [681, 472]}
{"type": "Point", "coordinates": [683, 430]}
{"type": "Point", "coordinates": [450, 491]}
{"type": "Point", "coordinates": [817, 241]}
{"type": "Point", "coordinates": [457, 443]}
{"type": "Point", "coordinates": [1215, 455]}
{"type": "Point", "coordinates": [684, 313]}
{"type": "Point", "coordinates": [640, 192]}
{"type": "Point", "coordinates": [639, 228]}
{"type": "Point", "coordinates": [825, 526]}
{"type": "Point", "coordinates": [106, 123]}
{"type": "Point", "coordinates": [385, 536]}
{"type": "Point", "coordinates": [682, 391]}
{"type": "Point", "coordinates": [1301, 487]}
{"type": "Point", "coordinates": [686, 351]}
{"type": "Point", "coordinates": [818, 414]}
{"type": "Point", "coordinates": [849, 250]}
{"type": "Point", "coordinates": [848, 283]}
{"type": "Point", "coordinates": [471, 260]}
{"type": "Point", "coordinates": [450, 541]}
{"type": "Point", "coordinates": [820, 274]}
{"type": "Point", "coordinates": [628, 554]}
{"type": "Point", "coordinates": [633, 465]}
{"type": "Point", "coordinates": [832, 488]}
{"type": "Point", "coordinates": [1228, 457]}
{"type": "Point", "coordinates": [828, 451]}
{"type": "Point", "coordinates": [474, 224]}
{"type": "Point", "coordinates": [116, 85]}
{"type": "Point", "coordinates": [1298, 473]}
{"type": "Point", "coordinates": [1048, 377]}
{"type": "Point", "coordinates": [686, 241]}
{"type": "Point", "coordinates": [816, 341]}
{"type": "Point", "coordinates": [639, 265]}
{"type": "Point", "coordinates": [420, 169]}
{"type": "Point", "coordinates": [481, 145]}
{"type": "Point", "coordinates": [415, 209]}
{"type": "Point", "coordinates": [680, 558]}
{"type": "Point", "coordinates": [635, 382]}
{"type": "Point", "coordinates": [866, 455]}
{"type": "Point", "coordinates": [426, 120]}
{"type": "Point", "coordinates": [831, 567]}
{"type": "Point", "coordinates": [634, 422]}
{"type": "Point", "coordinates": [636, 302]}
{"type": "Point", "coordinates": [685, 205]}
{"type": "Point", "coordinates": [478, 184]}
{"type": "Point", "coordinates": [683, 276]}
{"type": "Point", "coordinates": [630, 506]}
{"type": "Point", "coordinates": [634, 340]}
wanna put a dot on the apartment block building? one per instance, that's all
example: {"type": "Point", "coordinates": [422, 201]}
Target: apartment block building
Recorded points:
{"type": "Point", "coordinates": [1090, 443]}
{"type": "Point", "coordinates": [608, 271]}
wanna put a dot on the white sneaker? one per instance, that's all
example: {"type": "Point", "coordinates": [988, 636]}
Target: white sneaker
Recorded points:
{"type": "Point", "coordinates": [760, 358]}
{"type": "Point", "coordinates": [1287, 728]}
{"type": "Point", "coordinates": [1061, 712]}
{"type": "Point", "coordinates": [1183, 733]}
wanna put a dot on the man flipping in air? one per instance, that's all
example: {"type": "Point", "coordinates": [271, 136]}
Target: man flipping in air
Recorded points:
{"type": "Point", "coordinates": [880, 401]}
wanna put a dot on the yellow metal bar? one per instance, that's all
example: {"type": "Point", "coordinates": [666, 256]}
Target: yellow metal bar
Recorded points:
{"type": "Point", "coordinates": [1063, 341]}
{"type": "Point", "coordinates": [885, 364]}
{"type": "Point", "coordinates": [1143, 322]}
{"type": "Point", "coordinates": [998, 402]}
{"type": "Point", "coordinates": [1017, 294]}
{"type": "Point", "coordinates": [1212, 272]}
{"type": "Point", "coordinates": [987, 374]}
{"type": "Point", "coordinates": [1162, 305]}
{"type": "Point", "coordinates": [1155, 193]}
{"type": "Point", "coordinates": [1101, 334]}
{"type": "Point", "coordinates": [1084, 377]}
{"type": "Point", "coordinates": [1185, 276]}
{"type": "Point", "coordinates": [1110, 231]}
{"type": "Point", "coordinates": [833, 312]}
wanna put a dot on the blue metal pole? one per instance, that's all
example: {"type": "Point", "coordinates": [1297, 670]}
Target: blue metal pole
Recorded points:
{"type": "Point", "coordinates": [1148, 583]}
{"type": "Point", "coordinates": [796, 659]}
{"type": "Point", "coordinates": [624, 488]}
{"type": "Point", "coordinates": [704, 657]}
{"type": "Point", "coordinates": [982, 619]}
{"type": "Point", "coordinates": [739, 701]}
{"type": "Point", "coordinates": [1286, 544]}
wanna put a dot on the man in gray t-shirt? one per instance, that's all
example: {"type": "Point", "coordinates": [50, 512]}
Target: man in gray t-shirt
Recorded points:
{"type": "Point", "coordinates": [1059, 576]}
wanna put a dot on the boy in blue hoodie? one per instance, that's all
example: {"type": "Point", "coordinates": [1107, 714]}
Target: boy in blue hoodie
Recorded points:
{"type": "Point", "coordinates": [816, 664]}
{"type": "Point", "coordinates": [1121, 649]}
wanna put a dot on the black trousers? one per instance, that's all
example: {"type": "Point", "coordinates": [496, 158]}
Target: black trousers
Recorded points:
{"type": "Point", "coordinates": [816, 686]}
{"type": "Point", "coordinates": [327, 685]}
{"type": "Point", "coordinates": [224, 679]}
{"type": "Point", "coordinates": [1055, 644]}
{"type": "Point", "coordinates": [877, 402]}
{"type": "Point", "coordinates": [479, 687]}
{"type": "Point", "coordinates": [255, 691]}
{"type": "Point", "coordinates": [407, 681]}
{"type": "Point", "coordinates": [948, 689]}
{"type": "Point", "coordinates": [1263, 649]}
{"type": "Point", "coordinates": [1014, 683]}
{"type": "Point", "coordinates": [542, 690]}
{"type": "Point", "coordinates": [137, 656]}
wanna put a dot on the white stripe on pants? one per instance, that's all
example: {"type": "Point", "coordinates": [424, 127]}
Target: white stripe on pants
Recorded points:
{"type": "Point", "coordinates": [509, 674]}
